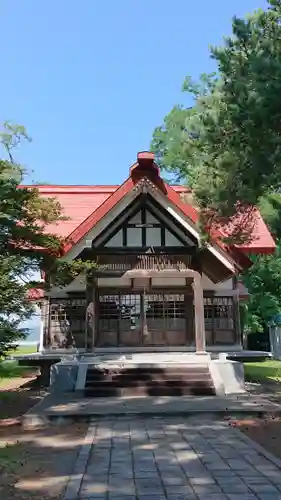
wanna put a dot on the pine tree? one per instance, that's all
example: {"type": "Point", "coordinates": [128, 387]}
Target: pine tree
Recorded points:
{"type": "Point", "coordinates": [26, 246]}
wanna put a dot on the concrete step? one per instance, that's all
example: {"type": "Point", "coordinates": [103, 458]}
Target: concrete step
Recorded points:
{"type": "Point", "coordinates": [123, 380]}
{"type": "Point", "coordinates": [172, 367]}
{"type": "Point", "coordinates": [142, 367]}
{"type": "Point", "coordinates": [144, 377]}
{"type": "Point", "coordinates": [153, 390]}
{"type": "Point", "coordinates": [176, 380]}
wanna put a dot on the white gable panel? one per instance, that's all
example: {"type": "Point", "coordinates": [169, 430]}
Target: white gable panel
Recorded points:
{"type": "Point", "coordinates": [166, 282]}
{"type": "Point", "coordinates": [171, 240]}
{"type": "Point", "coordinates": [153, 236]}
{"type": "Point", "coordinates": [116, 240]}
{"type": "Point", "coordinates": [209, 285]}
{"type": "Point", "coordinates": [136, 219]}
{"type": "Point", "coordinates": [134, 237]}
{"type": "Point", "coordinates": [114, 282]}
{"type": "Point", "coordinates": [150, 219]}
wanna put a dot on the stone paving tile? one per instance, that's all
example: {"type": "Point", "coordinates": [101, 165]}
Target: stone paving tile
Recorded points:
{"type": "Point", "coordinates": [175, 458]}
{"type": "Point", "coordinates": [238, 496]}
{"type": "Point", "coordinates": [269, 496]}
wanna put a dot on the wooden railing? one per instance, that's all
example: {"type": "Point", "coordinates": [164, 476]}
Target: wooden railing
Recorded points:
{"type": "Point", "coordinates": [145, 261]}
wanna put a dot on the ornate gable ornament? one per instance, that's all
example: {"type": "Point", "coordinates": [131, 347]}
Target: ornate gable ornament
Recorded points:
{"type": "Point", "coordinates": [144, 186]}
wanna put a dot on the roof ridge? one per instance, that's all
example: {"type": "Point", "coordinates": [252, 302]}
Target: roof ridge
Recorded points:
{"type": "Point", "coordinates": [47, 186]}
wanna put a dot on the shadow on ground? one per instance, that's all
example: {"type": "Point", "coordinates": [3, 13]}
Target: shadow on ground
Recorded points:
{"type": "Point", "coordinates": [16, 401]}
{"type": "Point", "coordinates": [35, 465]}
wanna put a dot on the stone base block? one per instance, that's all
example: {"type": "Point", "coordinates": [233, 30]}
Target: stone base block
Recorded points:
{"type": "Point", "coordinates": [228, 376]}
{"type": "Point", "coordinates": [63, 377]}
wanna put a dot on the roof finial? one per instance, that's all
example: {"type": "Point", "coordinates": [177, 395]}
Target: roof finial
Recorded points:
{"type": "Point", "coordinates": [145, 163]}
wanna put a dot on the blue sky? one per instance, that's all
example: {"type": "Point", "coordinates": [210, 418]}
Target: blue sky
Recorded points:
{"type": "Point", "coordinates": [91, 79]}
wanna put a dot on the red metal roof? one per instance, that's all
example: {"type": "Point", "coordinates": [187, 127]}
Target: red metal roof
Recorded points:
{"type": "Point", "coordinates": [86, 205]}
{"type": "Point", "coordinates": [77, 202]}
{"type": "Point", "coordinates": [261, 240]}
{"type": "Point", "coordinates": [35, 294]}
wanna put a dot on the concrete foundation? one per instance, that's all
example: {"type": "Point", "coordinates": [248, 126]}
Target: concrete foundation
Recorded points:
{"type": "Point", "coordinates": [70, 375]}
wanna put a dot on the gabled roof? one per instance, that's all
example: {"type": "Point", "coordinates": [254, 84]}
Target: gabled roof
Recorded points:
{"type": "Point", "coordinates": [78, 202]}
{"type": "Point", "coordinates": [87, 205]}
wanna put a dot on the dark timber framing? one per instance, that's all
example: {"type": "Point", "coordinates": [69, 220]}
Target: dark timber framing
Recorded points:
{"type": "Point", "coordinates": [144, 204]}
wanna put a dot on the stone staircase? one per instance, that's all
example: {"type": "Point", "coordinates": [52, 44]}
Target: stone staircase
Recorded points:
{"type": "Point", "coordinates": [166, 380]}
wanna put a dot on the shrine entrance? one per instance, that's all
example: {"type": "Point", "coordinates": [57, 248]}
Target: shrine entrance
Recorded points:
{"type": "Point", "coordinates": [144, 319]}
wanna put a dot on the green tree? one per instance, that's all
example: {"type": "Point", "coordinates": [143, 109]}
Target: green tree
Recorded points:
{"type": "Point", "coordinates": [263, 279]}
{"type": "Point", "coordinates": [227, 147]}
{"type": "Point", "coordinates": [232, 134]}
{"type": "Point", "coordinates": [26, 246]}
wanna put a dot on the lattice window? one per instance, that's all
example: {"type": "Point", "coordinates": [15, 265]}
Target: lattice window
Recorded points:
{"type": "Point", "coordinates": [219, 322]}
{"type": "Point", "coordinates": [109, 310]}
{"type": "Point", "coordinates": [223, 313]}
{"type": "Point", "coordinates": [126, 311]}
{"type": "Point", "coordinates": [168, 308]}
{"type": "Point", "coordinates": [208, 313]}
{"type": "Point", "coordinates": [67, 322]}
{"type": "Point", "coordinates": [220, 311]}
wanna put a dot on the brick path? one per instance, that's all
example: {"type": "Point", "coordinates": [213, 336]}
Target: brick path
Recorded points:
{"type": "Point", "coordinates": [172, 459]}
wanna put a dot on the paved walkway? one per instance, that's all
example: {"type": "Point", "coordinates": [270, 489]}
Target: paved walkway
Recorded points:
{"type": "Point", "coordinates": [172, 458]}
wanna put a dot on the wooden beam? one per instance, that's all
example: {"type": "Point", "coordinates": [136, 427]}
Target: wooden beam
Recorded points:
{"type": "Point", "coordinates": [115, 252]}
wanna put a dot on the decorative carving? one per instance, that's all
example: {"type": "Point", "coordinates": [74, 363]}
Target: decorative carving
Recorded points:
{"type": "Point", "coordinates": [144, 185]}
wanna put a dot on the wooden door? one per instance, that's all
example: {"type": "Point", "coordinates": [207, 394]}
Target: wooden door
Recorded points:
{"type": "Point", "coordinates": [119, 320]}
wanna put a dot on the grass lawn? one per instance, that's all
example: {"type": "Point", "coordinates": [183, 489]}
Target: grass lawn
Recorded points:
{"type": "Point", "coordinates": [11, 369]}
{"type": "Point", "coordinates": [23, 349]}
{"type": "Point", "coordinates": [264, 371]}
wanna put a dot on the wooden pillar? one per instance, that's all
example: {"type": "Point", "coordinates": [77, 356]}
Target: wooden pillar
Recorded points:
{"type": "Point", "coordinates": [236, 312]}
{"type": "Point", "coordinates": [200, 337]}
{"type": "Point", "coordinates": [46, 320]}
{"type": "Point", "coordinates": [96, 312]}
{"type": "Point", "coordinates": [189, 313]}
{"type": "Point", "coordinates": [90, 312]}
